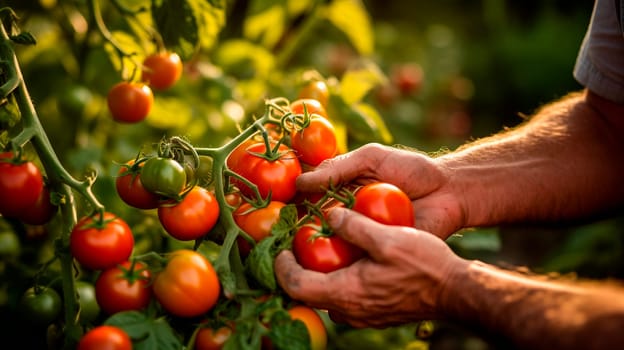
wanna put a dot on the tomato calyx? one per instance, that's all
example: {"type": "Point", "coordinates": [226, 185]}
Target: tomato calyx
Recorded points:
{"type": "Point", "coordinates": [133, 273]}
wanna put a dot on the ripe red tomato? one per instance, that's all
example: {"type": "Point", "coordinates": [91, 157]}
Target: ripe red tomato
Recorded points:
{"type": "Point", "coordinates": [118, 289]}
{"type": "Point", "coordinates": [105, 337]}
{"type": "Point", "coordinates": [408, 78]}
{"type": "Point", "coordinates": [256, 222]}
{"type": "Point", "coordinates": [42, 211]}
{"type": "Point", "coordinates": [238, 152]}
{"type": "Point", "coordinates": [130, 188]}
{"type": "Point", "coordinates": [323, 253]}
{"type": "Point", "coordinates": [162, 70]}
{"type": "Point", "coordinates": [316, 142]}
{"type": "Point", "coordinates": [191, 218]}
{"type": "Point", "coordinates": [316, 90]}
{"type": "Point", "coordinates": [312, 106]}
{"type": "Point", "coordinates": [102, 246]}
{"type": "Point", "coordinates": [275, 176]}
{"type": "Point", "coordinates": [211, 339]}
{"type": "Point", "coordinates": [130, 102]}
{"type": "Point", "coordinates": [21, 184]}
{"type": "Point", "coordinates": [188, 286]}
{"type": "Point", "coordinates": [314, 324]}
{"type": "Point", "coordinates": [385, 203]}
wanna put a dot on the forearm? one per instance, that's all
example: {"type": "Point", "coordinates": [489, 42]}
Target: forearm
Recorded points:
{"type": "Point", "coordinates": [566, 161]}
{"type": "Point", "coordinates": [534, 313]}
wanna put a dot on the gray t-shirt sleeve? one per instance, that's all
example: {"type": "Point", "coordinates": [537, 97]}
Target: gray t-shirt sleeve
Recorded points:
{"type": "Point", "coordinates": [600, 62]}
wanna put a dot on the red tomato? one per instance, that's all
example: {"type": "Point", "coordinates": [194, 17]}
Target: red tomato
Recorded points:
{"type": "Point", "coordinates": [314, 324]}
{"type": "Point", "coordinates": [256, 222]}
{"type": "Point", "coordinates": [211, 339]}
{"type": "Point", "coordinates": [238, 152]}
{"type": "Point", "coordinates": [270, 176]}
{"type": "Point", "coordinates": [118, 289]}
{"type": "Point", "coordinates": [316, 142]}
{"type": "Point", "coordinates": [188, 286]}
{"type": "Point", "coordinates": [20, 185]}
{"type": "Point", "coordinates": [42, 211]}
{"type": "Point", "coordinates": [100, 247]}
{"type": "Point", "coordinates": [130, 188]}
{"type": "Point", "coordinates": [191, 218]}
{"type": "Point", "coordinates": [323, 253]}
{"type": "Point", "coordinates": [105, 337]}
{"type": "Point", "coordinates": [130, 102]}
{"type": "Point", "coordinates": [162, 70]}
{"type": "Point", "coordinates": [316, 90]}
{"type": "Point", "coordinates": [312, 106]}
{"type": "Point", "coordinates": [384, 203]}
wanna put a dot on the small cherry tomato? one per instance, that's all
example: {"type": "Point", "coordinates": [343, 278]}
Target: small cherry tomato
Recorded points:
{"type": "Point", "coordinates": [131, 190]}
{"type": "Point", "coordinates": [385, 203]}
{"type": "Point", "coordinates": [163, 176]}
{"type": "Point", "coordinates": [105, 337]}
{"type": "Point", "coordinates": [130, 102]}
{"type": "Point", "coordinates": [256, 222]}
{"type": "Point", "coordinates": [188, 286]}
{"type": "Point", "coordinates": [212, 339]}
{"type": "Point", "coordinates": [21, 184]}
{"type": "Point", "coordinates": [316, 90]}
{"type": "Point", "coordinates": [316, 142]}
{"type": "Point", "coordinates": [191, 218]}
{"type": "Point", "coordinates": [100, 245]}
{"type": "Point", "coordinates": [312, 106]}
{"type": "Point", "coordinates": [162, 70]}
{"type": "Point", "coordinates": [119, 288]}
{"type": "Point", "coordinates": [41, 306]}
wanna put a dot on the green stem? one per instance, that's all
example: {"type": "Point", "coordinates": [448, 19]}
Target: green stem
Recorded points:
{"type": "Point", "coordinates": [305, 32]}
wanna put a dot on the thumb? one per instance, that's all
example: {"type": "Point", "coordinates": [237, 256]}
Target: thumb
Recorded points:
{"type": "Point", "coordinates": [360, 230]}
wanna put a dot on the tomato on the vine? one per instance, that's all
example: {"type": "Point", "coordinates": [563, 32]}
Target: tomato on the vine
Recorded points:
{"type": "Point", "coordinates": [41, 306]}
{"type": "Point", "coordinates": [42, 211]}
{"type": "Point", "coordinates": [163, 176]}
{"type": "Point", "coordinates": [316, 90]}
{"type": "Point", "coordinates": [316, 142]}
{"type": "Point", "coordinates": [130, 102]}
{"type": "Point", "coordinates": [99, 245]}
{"type": "Point", "coordinates": [385, 203]}
{"type": "Point", "coordinates": [130, 187]}
{"type": "Point", "coordinates": [314, 324]}
{"type": "Point", "coordinates": [188, 286]}
{"type": "Point", "coordinates": [21, 183]}
{"type": "Point", "coordinates": [212, 339]}
{"type": "Point", "coordinates": [162, 70]}
{"type": "Point", "coordinates": [124, 287]}
{"type": "Point", "coordinates": [314, 250]}
{"type": "Point", "coordinates": [256, 222]}
{"type": "Point", "coordinates": [238, 152]}
{"type": "Point", "coordinates": [105, 337]}
{"type": "Point", "coordinates": [312, 106]}
{"type": "Point", "coordinates": [275, 176]}
{"type": "Point", "coordinates": [191, 218]}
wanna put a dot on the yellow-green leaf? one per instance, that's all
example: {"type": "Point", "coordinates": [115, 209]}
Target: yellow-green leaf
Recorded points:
{"type": "Point", "coordinates": [267, 27]}
{"type": "Point", "coordinates": [352, 18]}
{"type": "Point", "coordinates": [356, 83]}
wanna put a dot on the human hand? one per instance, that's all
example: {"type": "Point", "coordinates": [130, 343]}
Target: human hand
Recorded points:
{"type": "Point", "coordinates": [436, 207]}
{"type": "Point", "coordinates": [401, 280]}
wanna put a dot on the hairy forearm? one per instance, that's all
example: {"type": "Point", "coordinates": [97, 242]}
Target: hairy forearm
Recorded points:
{"type": "Point", "coordinates": [535, 313]}
{"type": "Point", "coordinates": [565, 162]}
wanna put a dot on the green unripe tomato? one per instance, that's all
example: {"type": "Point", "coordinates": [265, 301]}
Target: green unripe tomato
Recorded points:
{"type": "Point", "coordinates": [89, 308]}
{"type": "Point", "coordinates": [41, 308]}
{"type": "Point", "coordinates": [163, 176]}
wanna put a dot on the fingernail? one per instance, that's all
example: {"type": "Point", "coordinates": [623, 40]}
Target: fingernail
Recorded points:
{"type": "Point", "coordinates": [335, 216]}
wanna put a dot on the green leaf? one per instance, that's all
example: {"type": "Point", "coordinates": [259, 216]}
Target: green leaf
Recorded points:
{"type": "Point", "coordinates": [244, 59]}
{"type": "Point", "coordinates": [288, 221]}
{"type": "Point", "coordinates": [24, 39]}
{"type": "Point", "coordinates": [169, 113]}
{"type": "Point", "coordinates": [146, 333]}
{"type": "Point", "coordinates": [259, 263]}
{"type": "Point", "coordinates": [187, 25]}
{"type": "Point", "coordinates": [365, 123]}
{"type": "Point", "coordinates": [358, 82]}
{"type": "Point", "coordinates": [267, 27]}
{"type": "Point", "coordinates": [287, 333]}
{"type": "Point", "coordinates": [351, 17]}
{"type": "Point", "coordinates": [9, 112]}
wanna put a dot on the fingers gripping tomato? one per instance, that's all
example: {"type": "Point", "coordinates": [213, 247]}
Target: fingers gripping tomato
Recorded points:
{"type": "Point", "coordinates": [316, 142]}
{"type": "Point", "coordinates": [119, 288]}
{"type": "Point", "coordinates": [21, 184]}
{"type": "Point", "coordinates": [275, 176]}
{"type": "Point", "coordinates": [100, 245]}
{"type": "Point", "coordinates": [385, 203]}
{"type": "Point", "coordinates": [188, 286]}
{"type": "Point", "coordinates": [191, 218]}
{"type": "Point", "coordinates": [256, 222]}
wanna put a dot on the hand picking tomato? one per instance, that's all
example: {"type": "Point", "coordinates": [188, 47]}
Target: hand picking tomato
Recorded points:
{"type": "Point", "coordinates": [162, 70]}
{"type": "Point", "coordinates": [212, 339]}
{"type": "Point", "coordinates": [21, 183]}
{"type": "Point", "coordinates": [256, 222]}
{"type": "Point", "coordinates": [163, 176]}
{"type": "Point", "coordinates": [385, 203]}
{"type": "Point", "coordinates": [191, 218]}
{"type": "Point", "coordinates": [314, 324]}
{"type": "Point", "coordinates": [188, 286]}
{"type": "Point", "coordinates": [130, 187]}
{"type": "Point", "coordinates": [130, 102]}
{"type": "Point", "coordinates": [276, 176]}
{"type": "Point", "coordinates": [312, 106]}
{"type": "Point", "coordinates": [119, 288]}
{"type": "Point", "coordinates": [98, 246]}
{"type": "Point", "coordinates": [318, 252]}
{"type": "Point", "coordinates": [316, 142]}
{"type": "Point", "coordinates": [317, 90]}
{"type": "Point", "coordinates": [105, 337]}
